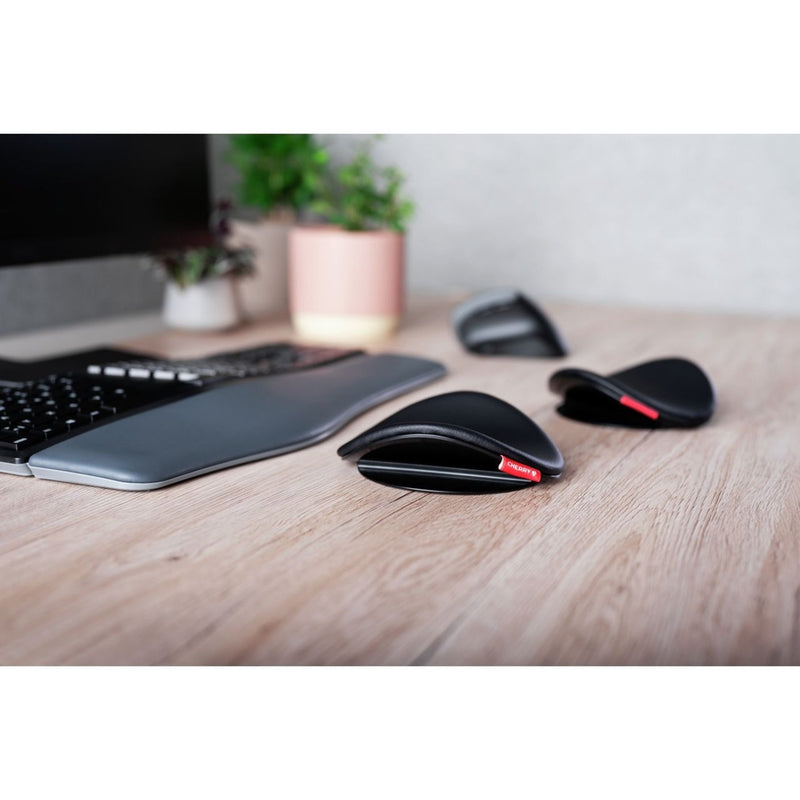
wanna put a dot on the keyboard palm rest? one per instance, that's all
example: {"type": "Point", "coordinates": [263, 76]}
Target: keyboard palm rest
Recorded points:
{"type": "Point", "coordinates": [231, 424]}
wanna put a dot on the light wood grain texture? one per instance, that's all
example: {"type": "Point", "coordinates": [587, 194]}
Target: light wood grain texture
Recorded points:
{"type": "Point", "coordinates": [655, 547]}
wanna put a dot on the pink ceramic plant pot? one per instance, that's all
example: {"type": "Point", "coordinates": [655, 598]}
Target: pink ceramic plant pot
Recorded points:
{"type": "Point", "coordinates": [345, 287]}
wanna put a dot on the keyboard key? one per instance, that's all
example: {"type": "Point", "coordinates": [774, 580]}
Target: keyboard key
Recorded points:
{"type": "Point", "coordinates": [7, 437]}
{"type": "Point", "coordinates": [11, 440]}
{"type": "Point", "coordinates": [77, 421]}
{"type": "Point", "coordinates": [53, 429]}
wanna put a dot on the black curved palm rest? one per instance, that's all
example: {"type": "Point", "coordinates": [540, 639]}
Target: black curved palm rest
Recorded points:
{"type": "Point", "coordinates": [456, 443]}
{"type": "Point", "coordinates": [666, 393]}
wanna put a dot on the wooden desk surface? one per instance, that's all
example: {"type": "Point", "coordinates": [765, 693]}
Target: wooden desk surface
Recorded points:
{"type": "Point", "coordinates": [655, 547]}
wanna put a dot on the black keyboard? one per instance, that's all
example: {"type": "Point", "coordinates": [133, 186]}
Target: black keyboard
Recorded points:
{"type": "Point", "coordinates": [270, 359]}
{"type": "Point", "coordinates": [37, 413]}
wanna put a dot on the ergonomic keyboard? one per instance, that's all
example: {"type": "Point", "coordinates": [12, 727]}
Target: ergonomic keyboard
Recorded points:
{"type": "Point", "coordinates": [38, 413]}
{"type": "Point", "coordinates": [135, 422]}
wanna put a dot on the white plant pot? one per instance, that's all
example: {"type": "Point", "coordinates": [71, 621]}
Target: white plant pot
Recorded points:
{"type": "Point", "coordinates": [206, 306]}
{"type": "Point", "coordinates": [265, 292]}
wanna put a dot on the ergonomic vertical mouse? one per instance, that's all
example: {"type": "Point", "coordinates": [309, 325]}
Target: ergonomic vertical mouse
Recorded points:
{"type": "Point", "coordinates": [456, 443]}
{"type": "Point", "coordinates": [665, 393]}
{"type": "Point", "coordinates": [506, 322]}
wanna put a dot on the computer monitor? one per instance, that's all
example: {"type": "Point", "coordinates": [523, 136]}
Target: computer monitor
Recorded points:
{"type": "Point", "coordinates": [81, 196]}
{"type": "Point", "coordinates": [76, 212]}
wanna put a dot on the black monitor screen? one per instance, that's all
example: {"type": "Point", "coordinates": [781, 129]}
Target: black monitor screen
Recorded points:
{"type": "Point", "coordinates": [66, 196]}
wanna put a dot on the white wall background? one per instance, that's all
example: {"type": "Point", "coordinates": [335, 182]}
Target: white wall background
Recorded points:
{"type": "Point", "coordinates": [701, 222]}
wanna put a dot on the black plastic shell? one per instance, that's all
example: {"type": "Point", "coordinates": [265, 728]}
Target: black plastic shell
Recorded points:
{"type": "Point", "coordinates": [677, 389]}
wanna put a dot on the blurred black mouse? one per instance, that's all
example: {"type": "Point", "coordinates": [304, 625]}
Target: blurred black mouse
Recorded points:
{"type": "Point", "coordinates": [456, 443]}
{"type": "Point", "coordinates": [506, 322]}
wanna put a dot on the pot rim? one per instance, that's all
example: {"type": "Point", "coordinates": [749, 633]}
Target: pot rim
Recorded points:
{"type": "Point", "coordinates": [325, 228]}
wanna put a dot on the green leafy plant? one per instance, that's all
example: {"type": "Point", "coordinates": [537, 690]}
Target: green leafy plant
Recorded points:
{"type": "Point", "coordinates": [362, 196]}
{"type": "Point", "coordinates": [195, 264]}
{"type": "Point", "coordinates": [278, 171]}
{"type": "Point", "coordinates": [188, 267]}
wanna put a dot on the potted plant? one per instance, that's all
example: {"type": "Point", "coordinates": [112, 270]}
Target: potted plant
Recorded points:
{"type": "Point", "coordinates": [346, 277]}
{"type": "Point", "coordinates": [280, 175]}
{"type": "Point", "coordinates": [200, 291]}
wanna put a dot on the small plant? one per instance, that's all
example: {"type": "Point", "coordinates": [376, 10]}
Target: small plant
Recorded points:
{"type": "Point", "coordinates": [279, 172]}
{"type": "Point", "coordinates": [187, 267]}
{"type": "Point", "coordinates": [362, 196]}
{"type": "Point", "coordinates": [193, 265]}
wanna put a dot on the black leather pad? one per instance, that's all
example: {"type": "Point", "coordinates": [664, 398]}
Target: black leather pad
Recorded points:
{"type": "Point", "coordinates": [459, 443]}
{"type": "Point", "coordinates": [666, 393]}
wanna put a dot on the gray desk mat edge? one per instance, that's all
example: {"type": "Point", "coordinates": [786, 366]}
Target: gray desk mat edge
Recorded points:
{"type": "Point", "coordinates": [120, 455]}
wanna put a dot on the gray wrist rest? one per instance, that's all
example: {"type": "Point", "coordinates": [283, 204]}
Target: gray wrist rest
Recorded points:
{"type": "Point", "coordinates": [231, 424]}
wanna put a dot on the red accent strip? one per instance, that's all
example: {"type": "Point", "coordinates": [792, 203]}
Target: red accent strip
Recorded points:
{"type": "Point", "coordinates": [637, 406]}
{"type": "Point", "coordinates": [520, 470]}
